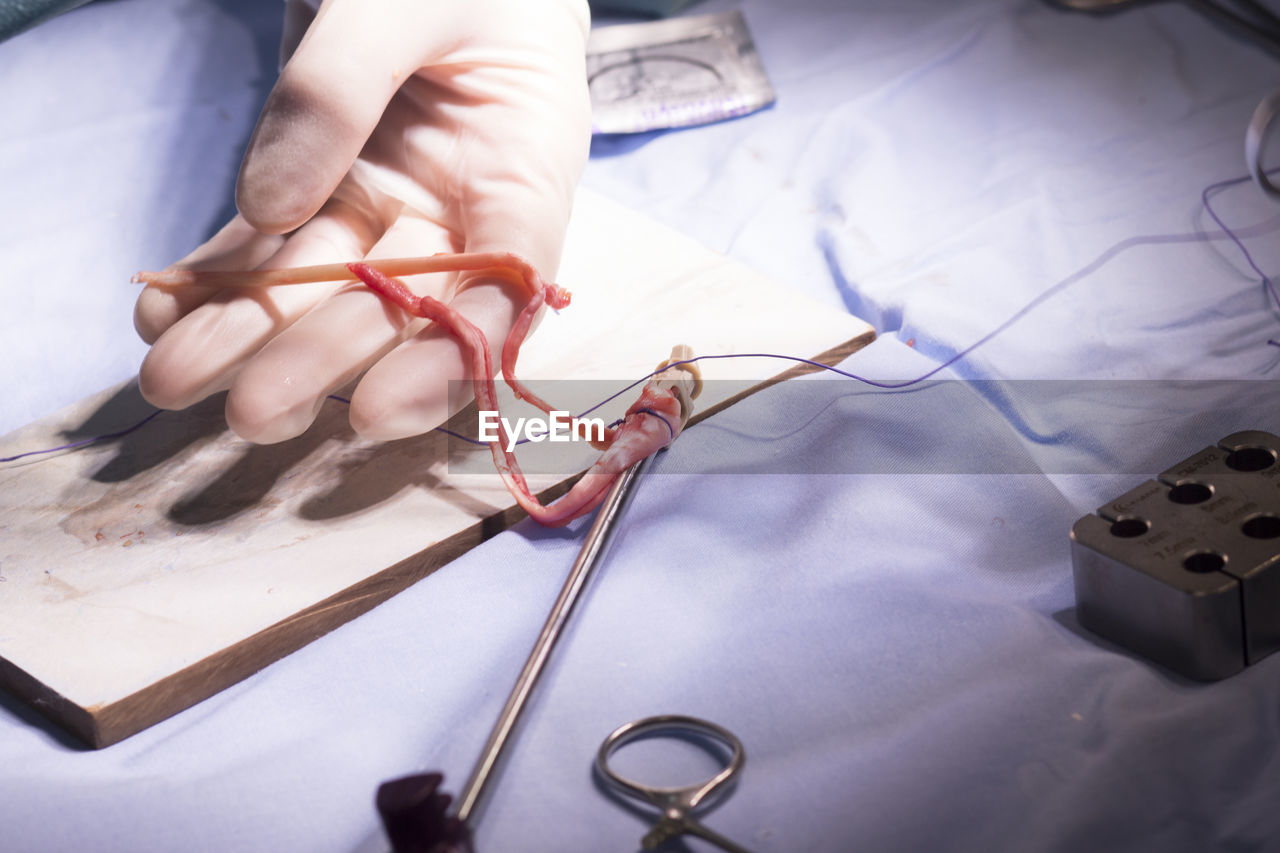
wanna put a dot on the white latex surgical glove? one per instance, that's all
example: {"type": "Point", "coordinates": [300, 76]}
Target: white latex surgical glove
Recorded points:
{"type": "Point", "coordinates": [397, 128]}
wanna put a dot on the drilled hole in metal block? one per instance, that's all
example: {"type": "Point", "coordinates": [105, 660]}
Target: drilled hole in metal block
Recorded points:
{"type": "Point", "coordinates": [1250, 459]}
{"type": "Point", "coordinates": [1204, 562]}
{"type": "Point", "coordinates": [1190, 493]}
{"type": "Point", "coordinates": [1129, 528]}
{"type": "Point", "coordinates": [1261, 527]}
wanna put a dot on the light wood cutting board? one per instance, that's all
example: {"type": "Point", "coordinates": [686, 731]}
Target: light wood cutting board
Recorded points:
{"type": "Point", "coordinates": [145, 573]}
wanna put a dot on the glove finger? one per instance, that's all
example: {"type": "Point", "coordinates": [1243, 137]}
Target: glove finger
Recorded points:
{"type": "Point", "coordinates": [281, 389]}
{"type": "Point", "coordinates": [237, 246]}
{"type": "Point", "coordinates": [513, 198]}
{"type": "Point", "coordinates": [201, 353]}
{"type": "Point", "coordinates": [518, 198]}
{"type": "Point", "coordinates": [326, 102]}
{"type": "Point", "coordinates": [298, 16]}
{"type": "Point", "coordinates": [415, 388]}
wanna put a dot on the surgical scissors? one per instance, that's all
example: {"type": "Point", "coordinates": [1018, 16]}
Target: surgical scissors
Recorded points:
{"type": "Point", "coordinates": [676, 804]}
{"type": "Point", "coordinates": [1251, 16]}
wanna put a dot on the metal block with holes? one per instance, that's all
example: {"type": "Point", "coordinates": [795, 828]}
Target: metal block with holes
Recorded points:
{"type": "Point", "coordinates": [1185, 569]}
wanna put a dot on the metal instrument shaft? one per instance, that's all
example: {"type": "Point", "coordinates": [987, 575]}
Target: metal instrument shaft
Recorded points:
{"type": "Point", "coordinates": [589, 558]}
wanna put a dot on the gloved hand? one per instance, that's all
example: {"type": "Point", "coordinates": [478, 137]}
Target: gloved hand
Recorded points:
{"type": "Point", "coordinates": [397, 128]}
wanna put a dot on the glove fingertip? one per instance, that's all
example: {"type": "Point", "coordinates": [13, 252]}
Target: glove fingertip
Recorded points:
{"type": "Point", "coordinates": [265, 206]}
{"type": "Point", "coordinates": [299, 151]}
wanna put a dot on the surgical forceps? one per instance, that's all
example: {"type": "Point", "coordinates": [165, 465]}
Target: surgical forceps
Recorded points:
{"type": "Point", "coordinates": [1252, 17]}
{"type": "Point", "coordinates": [676, 804]}
{"type": "Point", "coordinates": [414, 810]}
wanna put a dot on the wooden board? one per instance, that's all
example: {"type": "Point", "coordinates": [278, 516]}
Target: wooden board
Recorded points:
{"type": "Point", "coordinates": [145, 573]}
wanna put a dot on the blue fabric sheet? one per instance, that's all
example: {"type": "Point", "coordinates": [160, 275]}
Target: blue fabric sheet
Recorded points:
{"type": "Point", "coordinates": [896, 646]}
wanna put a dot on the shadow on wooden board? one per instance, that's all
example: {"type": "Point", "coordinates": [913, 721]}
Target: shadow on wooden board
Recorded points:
{"type": "Point", "coordinates": [150, 570]}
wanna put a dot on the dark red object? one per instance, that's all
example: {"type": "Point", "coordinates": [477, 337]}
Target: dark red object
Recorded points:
{"type": "Point", "coordinates": [416, 816]}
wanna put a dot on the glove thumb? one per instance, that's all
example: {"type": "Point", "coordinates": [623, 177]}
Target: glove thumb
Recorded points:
{"type": "Point", "coordinates": [328, 99]}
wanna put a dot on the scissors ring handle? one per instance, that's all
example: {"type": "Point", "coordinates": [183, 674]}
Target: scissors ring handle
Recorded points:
{"type": "Point", "coordinates": [1255, 140]}
{"type": "Point", "coordinates": [680, 800]}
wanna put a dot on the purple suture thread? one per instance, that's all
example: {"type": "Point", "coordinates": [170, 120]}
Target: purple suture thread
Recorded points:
{"type": "Point", "coordinates": [665, 423]}
{"type": "Point", "coordinates": [444, 430]}
{"type": "Point", "coordinates": [1088, 269]}
{"type": "Point", "coordinates": [83, 442]}
{"type": "Point", "coordinates": [447, 432]}
{"type": "Point", "coordinates": [1266, 280]}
